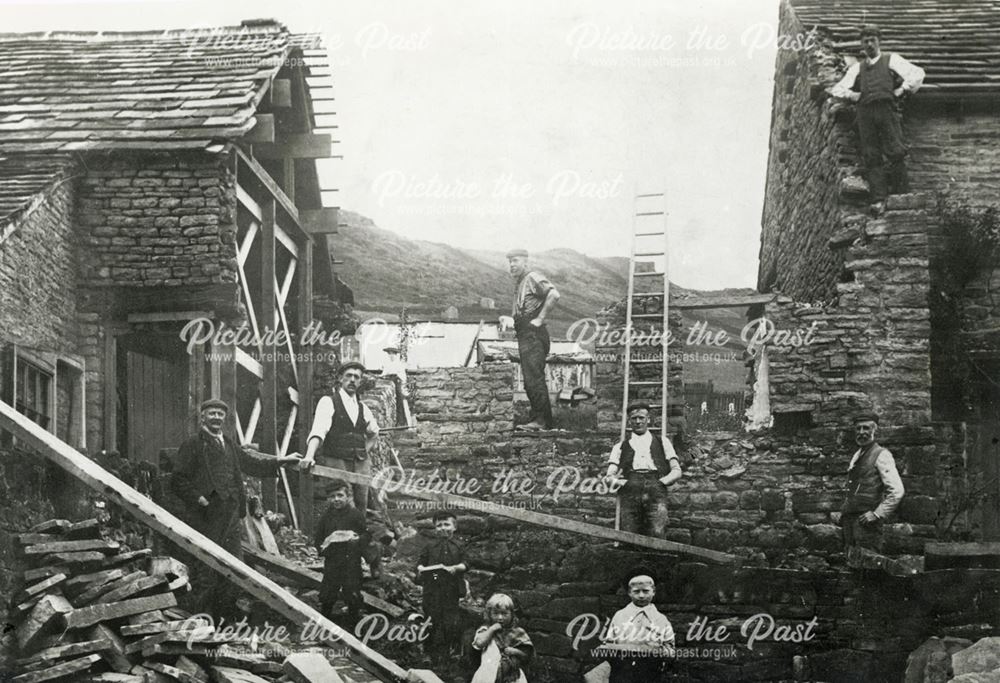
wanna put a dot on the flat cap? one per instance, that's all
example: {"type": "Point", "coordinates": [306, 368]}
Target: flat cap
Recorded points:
{"type": "Point", "coordinates": [637, 405]}
{"type": "Point", "coordinates": [351, 365]}
{"type": "Point", "coordinates": [870, 30]}
{"type": "Point", "coordinates": [214, 403]}
{"type": "Point", "coordinates": [866, 417]}
{"type": "Point", "coordinates": [514, 253]}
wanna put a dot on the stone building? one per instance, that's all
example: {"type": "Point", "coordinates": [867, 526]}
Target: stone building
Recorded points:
{"type": "Point", "coordinates": [905, 321]}
{"type": "Point", "coordinates": [149, 181]}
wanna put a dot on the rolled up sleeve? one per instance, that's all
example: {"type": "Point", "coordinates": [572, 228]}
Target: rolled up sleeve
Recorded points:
{"type": "Point", "coordinates": [894, 491]}
{"type": "Point", "coordinates": [322, 419]}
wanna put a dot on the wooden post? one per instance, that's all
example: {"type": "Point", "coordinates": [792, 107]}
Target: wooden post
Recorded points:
{"type": "Point", "coordinates": [305, 274]}
{"type": "Point", "coordinates": [269, 385]}
{"type": "Point", "coordinates": [196, 386]}
{"type": "Point", "coordinates": [161, 521]}
{"type": "Point", "coordinates": [110, 388]}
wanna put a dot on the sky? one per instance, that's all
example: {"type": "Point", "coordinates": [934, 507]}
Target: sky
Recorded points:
{"type": "Point", "coordinates": [528, 123]}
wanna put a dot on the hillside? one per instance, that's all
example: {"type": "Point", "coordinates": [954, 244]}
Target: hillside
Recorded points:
{"type": "Point", "coordinates": [389, 272]}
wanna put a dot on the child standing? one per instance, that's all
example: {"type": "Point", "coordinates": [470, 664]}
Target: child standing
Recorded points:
{"type": "Point", "coordinates": [506, 648]}
{"type": "Point", "coordinates": [341, 535]}
{"type": "Point", "coordinates": [640, 628]}
{"type": "Point", "coordinates": [441, 571]}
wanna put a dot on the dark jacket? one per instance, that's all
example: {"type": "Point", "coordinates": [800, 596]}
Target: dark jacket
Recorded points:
{"type": "Point", "coordinates": [441, 584]}
{"type": "Point", "coordinates": [206, 468]}
{"type": "Point", "coordinates": [865, 489]}
{"type": "Point", "coordinates": [346, 519]}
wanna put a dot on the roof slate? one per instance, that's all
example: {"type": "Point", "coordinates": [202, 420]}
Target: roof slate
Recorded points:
{"type": "Point", "coordinates": [65, 92]}
{"type": "Point", "coordinates": [24, 180]}
{"type": "Point", "coordinates": [957, 42]}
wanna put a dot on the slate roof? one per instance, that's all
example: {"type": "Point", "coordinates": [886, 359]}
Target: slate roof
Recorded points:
{"type": "Point", "coordinates": [23, 181]}
{"type": "Point", "coordinates": [69, 91]}
{"type": "Point", "coordinates": [957, 42]}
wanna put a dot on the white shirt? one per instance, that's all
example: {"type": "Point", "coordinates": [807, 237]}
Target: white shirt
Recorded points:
{"type": "Point", "coordinates": [324, 415]}
{"type": "Point", "coordinates": [912, 75]}
{"type": "Point", "coordinates": [643, 459]}
{"type": "Point", "coordinates": [886, 466]}
{"type": "Point", "coordinates": [646, 625]}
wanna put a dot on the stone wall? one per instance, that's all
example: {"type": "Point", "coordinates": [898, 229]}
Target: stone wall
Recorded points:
{"type": "Point", "coordinates": [462, 411]}
{"type": "Point", "coordinates": [810, 152]}
{"type": "Point", "coordinates": [37, 282]}
{"type": "Point", "coordinates": [158, 221]}
{"type": "Point", "coordinates": [953, 150]}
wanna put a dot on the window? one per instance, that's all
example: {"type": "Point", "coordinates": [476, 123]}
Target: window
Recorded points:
{"type": "Point", "coordinates": [33, 392]}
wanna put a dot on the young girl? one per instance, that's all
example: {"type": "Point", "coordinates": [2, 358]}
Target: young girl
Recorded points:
{"type": "Point", "coordinates": [505, 646]}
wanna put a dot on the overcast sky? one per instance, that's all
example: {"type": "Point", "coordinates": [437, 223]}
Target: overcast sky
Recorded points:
{"type": "Point", "coordinates": [528, 122]}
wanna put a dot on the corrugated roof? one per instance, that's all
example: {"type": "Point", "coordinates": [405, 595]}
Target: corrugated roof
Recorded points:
{"type": "Point", "coordinates": [957, 42]}
{"type": "Point", "coordinates": [68, 91]}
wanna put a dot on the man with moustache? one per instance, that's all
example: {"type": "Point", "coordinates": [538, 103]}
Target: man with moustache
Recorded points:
{"type": "Point", "coordinates": [878, 83]}
{"type": "Point", "coordinates": [345, 429]}
{"type": "Point", "coordinates": [208, 478]}
{"type": "Point", "coordinates": [534, 298]}
{"type": "Point", "coordinates": [874, 488]}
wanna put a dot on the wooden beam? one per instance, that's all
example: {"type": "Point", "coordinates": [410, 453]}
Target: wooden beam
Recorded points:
{"type": "Point", "coordinates": [323, 221]}
{"type": "Point", "coordinates": [281, 93]}
{"type": "Point", "coordinates": [265, 179]}
{"type": "Point", "coordinates": [305, 388]}
{"type": "Point", "coordinates": [541, 519]}
{"type": "Point", "coordinates": [203, 549]}
{"type": "Point", "coordinates": [296, 146]}
{"type": "Point", "coordinates": [110, 388]}
{"type": "Point", "coordinates": [169, 316]}
{"type": "Point", "coordinates": [269, 385]}
{"type": "Point", "coordinates": [309, 578]}
{"type": "Point", "coordinates": [263, 130]}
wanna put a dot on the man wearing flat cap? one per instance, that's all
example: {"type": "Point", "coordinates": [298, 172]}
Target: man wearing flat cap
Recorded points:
{"type": "Point", "coordinates": [534, 298]}
{"type": "Point", "coordinates": [342, 433]}
{"type": "Point", "coordinates": [208, 478]}
{"type": "Point", "coordinates": [874, 488]}
{"type": "Point", "coordinates": [878, 83]}
{"type": "Point", "coordinates": [643, 465]}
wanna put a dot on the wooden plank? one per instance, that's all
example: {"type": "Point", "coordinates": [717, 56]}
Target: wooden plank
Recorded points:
{"type": "Point", "coordinates": [323, 221]}
{"type": "Point", "coordinates": [153, 628]}
{"type": "Point", "coordinates": [88, 616]}
{"type": "Point", "coordinates": [45, 572]}
{"type": "Point", "coordinates": [263, 129]}
{"type": "Point", "coordinates": [281, 93]}
{"type": "Point", "coordinates": [51, 526]}
{"type": "Point", "coordinates": [190, 540]}
{"type": "Point", "coordinates": [125, 558]}
{"type": "Point", "coordinates": [962, 555]}
{"type": "Point", "coordinates": [59, 671]}
{"type": "Point", "coordinates": [309, 667]}
{"type": "Point", "coordinates": [265, 179]}
{"type": "Point", "coordinates": [87, 558]}
{"type": "Point", "coordinates": [98, 589]}
{"type": "Point", "coordinates": [105, 547]}
{"type": "Point", "coordinates": [84, 582]}
{"type": "Point", "coordinates": [531, 517]}
{"type": "Point", "coordinates": [114, 650]}
{"type": "Point", "coordinates": [269, 386]}
{"type": "Point", "coordinates": [296, 146]}
{"type": "Point", "coordinates": [112, 677]}
{"type": "Point", "coordinates": [171, 671]}
{"type": "Point", "coordinates": [304, 397]}
{"type": "Point", "coordinates": [41, 587]}
{"type": "Point", "coordinates": [88, 528]}
{"type": "Point", "coordinates": [225, 674]}
{"type": "Point", "coordinates": [309, 578]}
{"type": "Point", "coordinates": [267, 540]}
{"type": "Point", "coordinates": [42, 619]}
{"type": "Point", "coordinates": [132, 589]}
{"type": "Point", "coordinates": [85, 647]}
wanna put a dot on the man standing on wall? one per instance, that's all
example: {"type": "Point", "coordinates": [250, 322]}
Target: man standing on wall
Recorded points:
{"type": "Point", "coordinates": [644, 466]}
{"type": "Point", "coordinates": [874, 488]}
{"type": "Point", "coordinates": [346, 430]}
{"type": "Point", "coordinates": [208, 478]}
{"type": "Point", "coordinates": [534, 298]}
{"type": "Point", "coordinates": [878, 83]}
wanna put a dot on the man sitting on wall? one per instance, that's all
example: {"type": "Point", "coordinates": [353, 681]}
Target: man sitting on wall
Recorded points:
{"type": "Point", "coordinates": [874, 489]}
{"type": "Point", "coordinates": [878, 83]}
{"type": "Point", "coordinates": [648, 465]}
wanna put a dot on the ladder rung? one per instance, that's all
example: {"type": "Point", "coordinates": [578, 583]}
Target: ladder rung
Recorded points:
{"type": "Point", "coordinates": [650, 213]}
{"type": "Point", "coordinates": [645, 362]}
{"type": "Point", "coordinates": [649, 234]}
{"type": "Point", "coordinates": [640, 316]}
{"type": "Point", "coordinates": [659, 294]}
{"type": "Point", "coordinates": [649, 253]}
{"type": "Point", "coordinates": [648, 274]}
{"type": "Point", "coordinates": [644, 196]}
{"type": "Point", "coordinates": [633, 383]}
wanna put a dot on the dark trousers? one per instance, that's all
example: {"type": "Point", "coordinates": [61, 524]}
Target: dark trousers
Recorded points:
{"type": "Point", "coordinates": [533, 348]}
{"type": "Point", "coordinates": [342, 579]}
{"type": "Point", "coordinates": [883, 151]}
{"type": "Point", "coordinates": [442, 609]}
{"type": "Point", "coordinates": [643, 502]}
{"type": "Point", "coordinates": [861, 535]}
{"type": "Point", "coordinates": [210, 591]}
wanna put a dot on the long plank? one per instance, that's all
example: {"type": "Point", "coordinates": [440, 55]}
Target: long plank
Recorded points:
{"type": "Point", "coordinates": [310, 579]}
{"type": "Point", "coordinates": [58, 671]}
{"type": "Point", "coordinates": [94, 614]}
{"type": "Point", "coordinates": [195, 543]}
{"type": "Point", "coordinates": [531, 517]}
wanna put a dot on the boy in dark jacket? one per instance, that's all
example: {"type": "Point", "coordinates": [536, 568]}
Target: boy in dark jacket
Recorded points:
{"type": "Point", "coordinates": [341, 536]}
{"type": "Point", "coordinates": [441, 572]}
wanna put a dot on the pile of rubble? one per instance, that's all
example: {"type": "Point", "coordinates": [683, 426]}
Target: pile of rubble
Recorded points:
{"type": "Point", "coordinates": [90, 612]}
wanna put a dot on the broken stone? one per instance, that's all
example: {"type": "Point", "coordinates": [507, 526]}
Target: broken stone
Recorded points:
{"type": "Point", "coordinates": [982, 657]}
